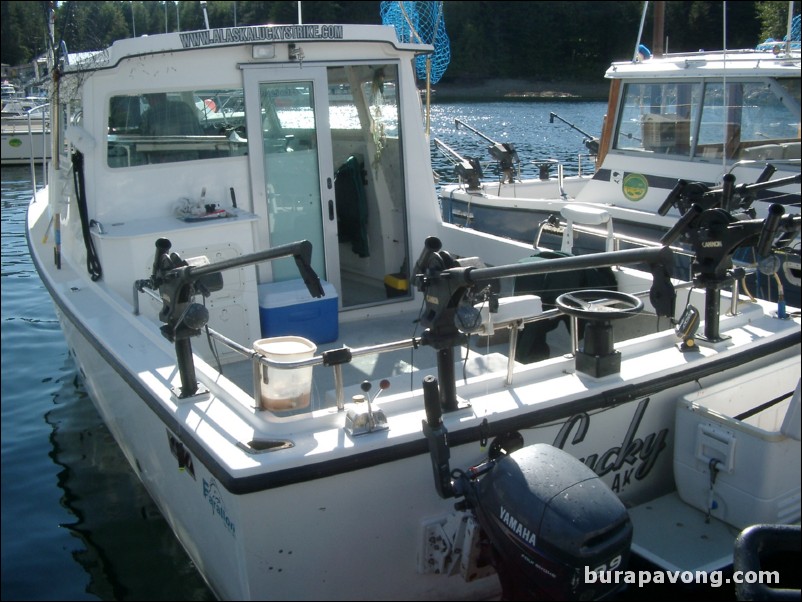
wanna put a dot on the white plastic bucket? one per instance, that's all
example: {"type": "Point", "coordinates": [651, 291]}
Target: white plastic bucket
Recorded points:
{"type": "Point", "coordinates": [281, 388]}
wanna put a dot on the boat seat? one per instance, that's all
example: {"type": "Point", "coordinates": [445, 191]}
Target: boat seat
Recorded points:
{"type": "Point", "coordinates": [752, 444]}
{"type": "Point", "coordinates": [585, 215]}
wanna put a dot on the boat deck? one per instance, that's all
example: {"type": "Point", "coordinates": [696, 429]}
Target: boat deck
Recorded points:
{"type": "Point", "coordinates": [404, 368]}
{"type": "Point", "coordinates": [668, 548]}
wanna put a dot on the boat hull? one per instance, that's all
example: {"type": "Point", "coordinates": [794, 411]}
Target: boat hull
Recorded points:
{"type": "Point", "coordinates": [20, 147]}
{"type": "Point", "coordinates": [377, 511]}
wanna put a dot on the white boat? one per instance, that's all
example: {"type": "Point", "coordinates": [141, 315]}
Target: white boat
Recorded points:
{"type": "Point", "coordinates": [676, 126]}
{"type": "Point", "coordinates": [25, 131]}
{"type": "Point", "coordinates": [315, 377]}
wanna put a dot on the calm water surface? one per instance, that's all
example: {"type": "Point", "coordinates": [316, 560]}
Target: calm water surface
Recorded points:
{"type": "Point", "coordinates": [76, 522]}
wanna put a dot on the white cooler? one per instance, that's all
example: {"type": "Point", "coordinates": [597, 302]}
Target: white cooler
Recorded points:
{"type": "Point", "coordinates": [758, 478]}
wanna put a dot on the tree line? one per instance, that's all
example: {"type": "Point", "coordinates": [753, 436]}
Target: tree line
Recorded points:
{"type": "Point", "coordinates": [538, 40]}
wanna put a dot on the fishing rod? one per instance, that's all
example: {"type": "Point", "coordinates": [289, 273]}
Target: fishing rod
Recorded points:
{"type": "Point", "coordinates": [503, 152]}
{"type": "Point", "coordinates": [591, 142]}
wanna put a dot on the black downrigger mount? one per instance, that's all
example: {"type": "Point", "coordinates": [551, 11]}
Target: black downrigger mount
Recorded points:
{"type": "Point", "coordinates": [716, 223]}
{"type": "Point", "coordinates": [503, 152]}
{"type": "Point", "coordinates": [178, 281]}
{"type": "Point", "coordinates": [467, 169]}
{"type": "Point", "coordinates": [452, 287]}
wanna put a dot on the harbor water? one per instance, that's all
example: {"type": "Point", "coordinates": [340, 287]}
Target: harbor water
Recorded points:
{"type": "Point", "coordinates": [76, 522]}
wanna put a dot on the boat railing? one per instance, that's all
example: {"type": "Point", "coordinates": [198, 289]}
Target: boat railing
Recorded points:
{"type": "Point", "coordinates": [35, 120]}
{"type": "Point", "coordinates": [590, 157]}
{"type": "Point", "coordinates": [764, 163]}
{"type": "Point", "coordinates": [544, 170]}
{"type": "Point", "coordinates": [731, 56]}
{"type": "Point", "coordinates": [336, 358]}
{"type": "Point", "coordinates": [555, 226]}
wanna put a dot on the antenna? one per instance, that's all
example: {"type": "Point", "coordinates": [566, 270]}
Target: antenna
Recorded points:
{"type": "Point", "coordinates": [205, 14]}
{"type": "Point", "coordinates": [640, 33]}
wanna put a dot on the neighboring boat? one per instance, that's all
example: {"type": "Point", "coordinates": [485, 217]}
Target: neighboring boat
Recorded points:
{"type": "Point", "coordinates": [8, 90]}
{"type": "Point", "coordinates": [323, 386]}
{"type": "Point", "coordinates": [25, 131]}
{"type": "Point", "coordinates": [691, 120]}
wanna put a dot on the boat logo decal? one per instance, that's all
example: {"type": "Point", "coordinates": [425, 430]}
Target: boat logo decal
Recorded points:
{"type": "Point", "coordinates": [635, 186]}
{"type": "Point", "coordinates": [235, 35]}
{"type": "Point", "coordinates": [636, 456]}
{"type": "Point", "coordinates": [211, 492]}
{"type": "Point", "coordinates": [516, 527]}
{"type": "Point", "coordinates": [15, 142]}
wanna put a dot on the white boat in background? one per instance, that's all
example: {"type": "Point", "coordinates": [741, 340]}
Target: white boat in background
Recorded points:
{"type": "Point", "coordinates": [323, 385]}
{"type": "Point", "coordinates": [25, 131]}
{"type": "Point", "coordinates": [677, 125]}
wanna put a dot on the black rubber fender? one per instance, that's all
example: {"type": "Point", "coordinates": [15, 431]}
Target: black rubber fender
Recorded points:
{"type": "Point", "coordinates": [751, 544]}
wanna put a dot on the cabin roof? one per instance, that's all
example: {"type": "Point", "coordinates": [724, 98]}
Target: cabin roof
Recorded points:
{"type": "Point", "coordinates": [254, 35]}
{"type": "Point", "coordinates": [733, 63]}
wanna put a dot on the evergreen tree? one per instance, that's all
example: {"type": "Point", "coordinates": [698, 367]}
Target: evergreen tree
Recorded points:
{"type": "Point", "coordinates": [539, 40]}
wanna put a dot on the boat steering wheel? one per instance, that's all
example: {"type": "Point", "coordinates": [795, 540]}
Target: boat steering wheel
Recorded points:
{"type": "Point", "coordinates": [593, 304]}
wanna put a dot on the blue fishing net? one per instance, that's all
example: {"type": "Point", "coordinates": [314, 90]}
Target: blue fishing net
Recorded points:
{"type": "Point", "coordinates": [771, 43]}
{"type": "Point", "coordinates": [421, 22]}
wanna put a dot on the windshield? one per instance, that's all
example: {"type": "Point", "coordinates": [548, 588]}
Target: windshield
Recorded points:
{"type": "Point", "coordinates": [757, 119]}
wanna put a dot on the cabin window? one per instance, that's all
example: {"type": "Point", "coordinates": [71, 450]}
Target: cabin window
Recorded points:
{"type": "Point", "coordinates": [173, 126]}
{"type": "Point", "coordinates": [750, 120]}
{"type": "Point", "coordinates": [657, 118]}
{"type": "Point", "coordinates": [710, 121]}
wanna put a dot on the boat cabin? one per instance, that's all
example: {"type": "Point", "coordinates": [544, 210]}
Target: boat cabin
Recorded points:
{"type": "Point", "coordinates": [250, 148]}
{"type": "Point", "coordinates": [690, 112]}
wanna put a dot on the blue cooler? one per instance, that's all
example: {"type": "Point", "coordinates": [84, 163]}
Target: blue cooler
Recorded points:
{"type": "Point", "coordinates": [287, 308]}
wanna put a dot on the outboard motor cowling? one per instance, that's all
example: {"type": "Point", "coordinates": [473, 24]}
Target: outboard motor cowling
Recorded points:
{"type": "Point", "coordinates": [548, 516]}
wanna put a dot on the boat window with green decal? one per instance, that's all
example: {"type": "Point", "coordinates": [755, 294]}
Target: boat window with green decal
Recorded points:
{"type": "Point", "coordinates": [176, 125]}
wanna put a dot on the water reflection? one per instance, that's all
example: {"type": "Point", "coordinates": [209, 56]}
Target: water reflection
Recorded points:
{"type": "Point", "coordinates": [127, 548]}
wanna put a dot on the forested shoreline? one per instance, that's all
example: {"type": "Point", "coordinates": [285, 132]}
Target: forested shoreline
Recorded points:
{"type": "Point", "coordinates": [513, 42]}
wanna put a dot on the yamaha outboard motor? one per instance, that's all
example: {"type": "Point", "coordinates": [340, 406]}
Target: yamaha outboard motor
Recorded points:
{"type": "Point", "coordinates": [548, 517]}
